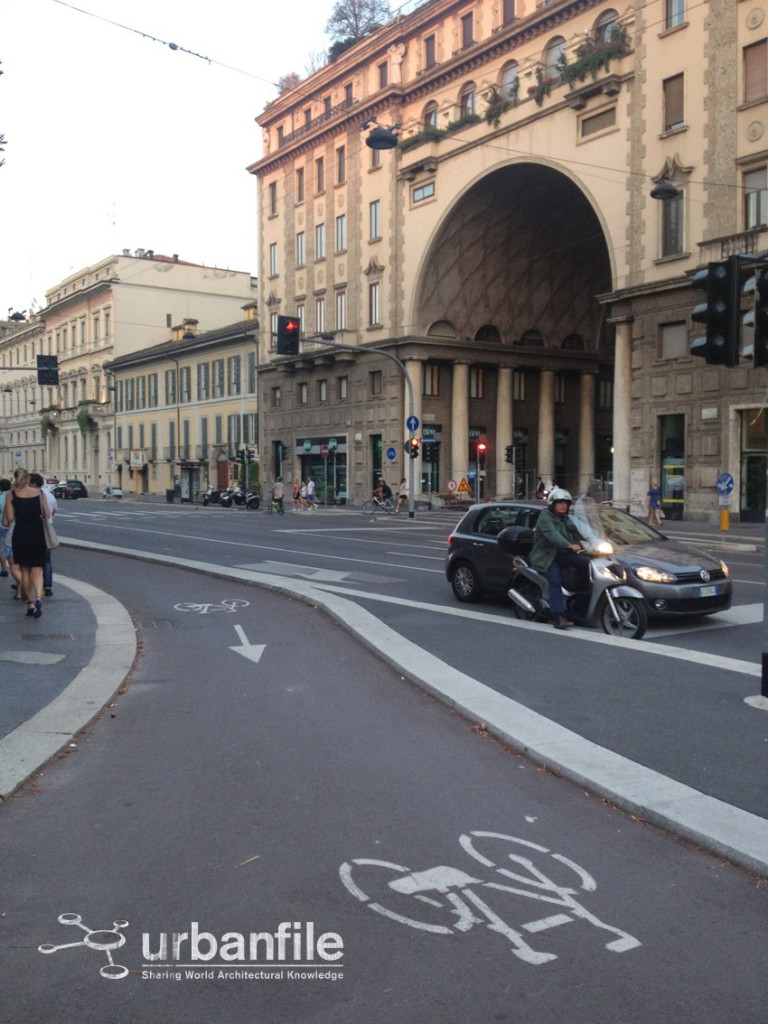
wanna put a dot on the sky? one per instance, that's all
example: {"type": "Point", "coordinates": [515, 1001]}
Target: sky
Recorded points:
{"type": "Point", "coordinates": [116, 141]}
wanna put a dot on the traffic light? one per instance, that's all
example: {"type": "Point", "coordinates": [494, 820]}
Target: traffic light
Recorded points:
{"type": "Point", "coordinates": [288, 328]}
{"type": "Point", "coordinates": [720, 313]}
{"type": "Point", "coordinates": [509, 453]}
{"type": "Point", "coordinates": [427, 453]}
{"type": "Point", "coordinates": [48, 370]}
{"type": "Point", "coordinates": [412, 447]}
{"type": "Point", "coordinates": [758, 317]}
{"type": "Point", "coordinates": [482, 448]}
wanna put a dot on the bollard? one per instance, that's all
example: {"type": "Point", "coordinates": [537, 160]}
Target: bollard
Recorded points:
{"type": "Point", "coordinates": [725, 520]}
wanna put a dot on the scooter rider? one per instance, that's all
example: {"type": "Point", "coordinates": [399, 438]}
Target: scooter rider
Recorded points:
{"type": "Point", "coordinates": [556, 543]}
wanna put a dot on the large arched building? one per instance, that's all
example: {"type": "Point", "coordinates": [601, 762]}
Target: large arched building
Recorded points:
{"type": "Point", "coordinates": [508, 252]}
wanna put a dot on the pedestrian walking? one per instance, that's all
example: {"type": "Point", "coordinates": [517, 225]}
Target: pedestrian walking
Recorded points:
{"type": "Point", "coordinates": [26, 507]}
{"type": "Point", "coordinates": [37, 481]}
{"type": "Point", "coordinates": [654, 504]}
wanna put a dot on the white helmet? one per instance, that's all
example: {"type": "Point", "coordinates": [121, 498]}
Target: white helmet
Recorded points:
{"type": "Point", "coordinates": [558, 494]}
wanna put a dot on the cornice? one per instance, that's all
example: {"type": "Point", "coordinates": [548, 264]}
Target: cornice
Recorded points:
{"type": "Point", "coordinates": [77, 297]}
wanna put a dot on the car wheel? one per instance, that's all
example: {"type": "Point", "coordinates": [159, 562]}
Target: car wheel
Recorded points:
{"type": "Point", "coordinates": [465, 583]}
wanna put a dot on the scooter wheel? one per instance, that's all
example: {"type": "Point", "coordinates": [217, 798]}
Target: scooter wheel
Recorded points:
{"type": "Point", "coordinates": [253, 503]}
{"type": "Point", "coordinates": [632, 620]}
{"type": "Point", "coordinates": [226, 503]}
{"type": "Point", "coordinates": [205, 500]}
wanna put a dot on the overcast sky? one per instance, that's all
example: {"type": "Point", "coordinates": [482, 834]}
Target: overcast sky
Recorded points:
{"type": "Point", "coordinates": [114, 141]}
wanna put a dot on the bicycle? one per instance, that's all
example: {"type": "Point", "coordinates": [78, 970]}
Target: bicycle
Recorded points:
{"type": "Point", "coordinates": [275, 506]}
{"type": "Point", "coordinates": [375, 504]}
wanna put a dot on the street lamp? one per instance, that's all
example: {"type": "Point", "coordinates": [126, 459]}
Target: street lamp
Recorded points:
{"type": "Point", "coordinates": [665, 190]}
{"type": "Point", "coordinates": [382, 136]}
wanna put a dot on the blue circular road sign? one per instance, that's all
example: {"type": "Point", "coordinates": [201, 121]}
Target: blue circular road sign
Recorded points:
{"type": "Point", "coordinates": [724, 483]}
{"type": "Point", "coordinates": [391, 454]}
{"type": "Point", "coordinates": [412, 423]}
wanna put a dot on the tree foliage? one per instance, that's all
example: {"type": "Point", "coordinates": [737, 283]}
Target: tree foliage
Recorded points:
{"type": "Point", "coordinates": [353, 20]}
{"type": "Point", "coordinates": [289, 81]}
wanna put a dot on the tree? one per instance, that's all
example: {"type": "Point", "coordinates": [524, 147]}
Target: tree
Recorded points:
{"type": "Point", "coordinates": [353, 20]}
{"type": "Point", "coordinates": [287, 82]}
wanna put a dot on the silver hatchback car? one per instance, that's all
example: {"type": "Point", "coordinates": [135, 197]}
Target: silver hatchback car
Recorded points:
{"type": "Point", "coordinates": [675, 580]}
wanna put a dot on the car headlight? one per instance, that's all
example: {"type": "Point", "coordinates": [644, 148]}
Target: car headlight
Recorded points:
{"type": "Point", "coordinates": [724, 567]}
{"type": "Point", "coordinates": [650, 575]}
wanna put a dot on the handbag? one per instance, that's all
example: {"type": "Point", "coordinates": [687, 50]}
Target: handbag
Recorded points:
{"type": "Point", "coordinates": [51, 539]}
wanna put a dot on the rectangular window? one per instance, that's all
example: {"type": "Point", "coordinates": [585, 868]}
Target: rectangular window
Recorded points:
{"type": "Point", "coordinates": [374, 304]}
{"type": "Point", "coordinates": [341, 165]}
{"type": "Point", "coordinates": [348, 95]}
{"type": "Point", "coordinates": [320, 174]}
{"type": "Point", "coordinates": [375, 158]}
{"type": "Point", "coordinates": [383, 75]}
{"type": "Point", "coordinates": [272, 332]}
{"type": "Point", "coordinates": [375, 219]}
{"type": "Point", "coordinates": [341, 311]}
{"type": "Point", "coordinates": [320, 241]}
{"type": "Point", "coordinates": [509, 11]}
{"type": "Point", "coordinates": [756, 71]}
{"type": "Point", "coordinates": [107, 325]}
{"type": "Point", "coordinates": [96, 329]}
{"type": "Point", "coordinates": [322, 391]}
{"type": "Point", "coordinates": [327, 106]}
{"type": "Point", "coordinates": [598, 122]}
{"type": "Point", "coordinates": [152, 390]}
{"type": "Point", "coordinates": [674, 105]}
{"type": "Point", "coordinates": [756, 198]}
{"type": "Point", "coordinates": [141, 401]}
{"type": "Point", "coordinates": [341, 233]}
{"type": "Point", "coordinates": [476, 382]}
{"type": "Point", "coordinates": [308, 117]}
{"type": "Point", "coordinates": [320, 315]}
{"type": "Point", "coordinates": [234, 377]}
{"type": "Point", "coordinates": [276, 397]}
{"type": "Point", "coordinates": [518, 386]}
{"type": "Point", "coordinates": [301, 254]}
{"type": "Point", "coordinates": [672, 226]}
{"type": "Point", "coordinates": [218, 378]}
{"type": "Point", "coordinates": [218, 432]}
{"type": "Point", "coordinates": [152, 454]}
{"type": "Point", "coordinates": [204, 437]}
{"type": "Point", "coordinates": [252, 373]}
{"type": "Point", "coordinates": [300, 316]}
{"type": "Point", "coordinates": [429, 52]}
{"type": "Point", "coordinates": [170, 387]}
{"type": "Point", "coordinates": [422, 192]}
{"type": "Point", "coordinates": [300, 185]}
{"type": "Point", "coordinates": [605, 393]}
{"type": "Point", "coordinates": [559, 388]}
{"type": "Point", "coordinates": [130, 394]}
{"type": "Point", "coordinates": [375, 382]}
{"type": "Point", "coordinates": [467, 34]}
{"type": "Point", "coordinates": [273, 199]}
{"type": "Point", "coordinates": [171, 439]}
{"type": "Point", "coordinates": [303, 393]}
{"type": "Point", "coordinates": [185, 384]}
{"type": "Point", "coordinates": [233, 431]}
{"type": "Point", "coordinates": [673, 341]}
{"type": "Point", "coordinates": [674, 13]}
{"type": "Point", "coordinates": [342, 388]}
{"type": "Point", "coordinates": [203, 382]}
{"type": "Point", "coordinates": [431, 380]}
{"type": "Point", "coordinates": [273, 259]}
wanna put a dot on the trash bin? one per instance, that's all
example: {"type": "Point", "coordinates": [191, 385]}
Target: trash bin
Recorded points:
{"type": "Point", "coordinates": [169, 495]}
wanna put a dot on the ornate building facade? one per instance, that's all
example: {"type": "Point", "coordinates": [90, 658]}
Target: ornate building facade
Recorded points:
{"type": "Point", "coordinates": [508, 251]}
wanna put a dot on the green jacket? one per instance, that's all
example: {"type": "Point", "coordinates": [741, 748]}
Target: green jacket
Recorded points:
{"type": "Point", "coordinates": [551, 534]}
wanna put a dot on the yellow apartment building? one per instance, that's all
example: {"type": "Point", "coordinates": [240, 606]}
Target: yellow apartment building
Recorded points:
{"type": "Point", "coordinates": [509, 253]}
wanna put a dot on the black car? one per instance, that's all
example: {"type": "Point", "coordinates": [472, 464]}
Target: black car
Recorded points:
{"type": "Point", "coordinates": [70, 489]}
{"type": "Point", "coordinates": [675, 580]}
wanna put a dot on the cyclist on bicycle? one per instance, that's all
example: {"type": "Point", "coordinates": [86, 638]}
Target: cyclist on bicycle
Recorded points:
{"type": "Point", "coordinates": [383, 491]}
{"type": "Point", "coordinates": [278, 492]}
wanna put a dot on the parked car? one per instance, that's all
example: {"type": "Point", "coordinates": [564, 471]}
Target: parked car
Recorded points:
{"type": "Point", "coordinates": [675, 580]}
{"type": "Point", "coordinates": [70, 489]}
{"type": "Point", "coordinates": [112, 492]}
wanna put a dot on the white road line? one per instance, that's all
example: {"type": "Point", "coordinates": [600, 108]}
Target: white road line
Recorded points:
{"type": "Point", "coordinates": [738, 615]}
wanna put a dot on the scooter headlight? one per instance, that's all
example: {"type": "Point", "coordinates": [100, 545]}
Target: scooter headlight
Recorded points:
{"type": "Point", "coordinates": [604, 547]}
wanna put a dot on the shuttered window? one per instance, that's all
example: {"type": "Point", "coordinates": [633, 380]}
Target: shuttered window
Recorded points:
{"type": "Point", "coordinates": [756, 71]}
{"type": "Point", "coordinates": [674, 102]}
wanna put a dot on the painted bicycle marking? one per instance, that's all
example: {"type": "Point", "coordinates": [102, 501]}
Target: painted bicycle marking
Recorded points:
{"type": "Point", "coordinates": [449, 894]}
{"type": "Point", "coordinates": [203, 608]}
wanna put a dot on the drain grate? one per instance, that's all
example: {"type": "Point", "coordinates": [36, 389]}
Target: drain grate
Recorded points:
{"type": "Point", "coordinates": [37, 637]}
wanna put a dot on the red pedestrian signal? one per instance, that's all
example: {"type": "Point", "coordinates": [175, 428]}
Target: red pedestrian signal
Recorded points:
{"type": "Point", "coordinates": [288, 330]}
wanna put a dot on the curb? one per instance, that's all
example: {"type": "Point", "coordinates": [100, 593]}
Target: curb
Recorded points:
{"type": "Point", "coordinates": [31, 745]}
{"type": "Point", "coordinates": [726, 831]}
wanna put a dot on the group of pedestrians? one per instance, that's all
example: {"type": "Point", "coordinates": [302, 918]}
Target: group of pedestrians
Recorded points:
{"type": "Point", "coordinates": [304, 495]}
{"type": "Point", "coordinates": [25, 503]}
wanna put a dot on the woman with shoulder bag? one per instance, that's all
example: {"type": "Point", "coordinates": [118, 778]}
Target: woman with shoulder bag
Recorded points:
{"type": "Point", "coordinates": [26, 507]}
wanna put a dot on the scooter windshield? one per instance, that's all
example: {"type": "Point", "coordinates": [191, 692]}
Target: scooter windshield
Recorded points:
{"type": "Point", "coordinates": [604, 523]}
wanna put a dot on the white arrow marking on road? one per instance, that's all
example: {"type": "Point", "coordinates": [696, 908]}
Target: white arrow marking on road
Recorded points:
{"type": "Point", "coordinates": [252, 652]}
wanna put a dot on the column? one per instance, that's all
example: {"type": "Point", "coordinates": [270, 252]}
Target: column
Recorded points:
{"type": "Point", "coordinates": [460, 422]}
{"type": "Point", "coordinates": [505, 476]}
{"type": "Point", "coordinates": [586, 432]}
{"type": "Point", "coordinates": [622, 404]}
{"type": "Point", "coordinates": [546, 443]}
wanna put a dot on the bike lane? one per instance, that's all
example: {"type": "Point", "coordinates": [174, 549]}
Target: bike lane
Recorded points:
{"type": "Point", "coordinates": [264, 773]}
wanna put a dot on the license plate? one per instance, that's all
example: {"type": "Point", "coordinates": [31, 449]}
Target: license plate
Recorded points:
{"type": "Point", "coordinates": [708, 591]}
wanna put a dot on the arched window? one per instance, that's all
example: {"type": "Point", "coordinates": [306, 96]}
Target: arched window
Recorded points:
{"type": "Point", "coordinates": [573, 343]}
{"type": "Point", "coordinates": [510, 81]}
{"type": "Point", "coordinates": [605, 26]}
{"type": "Point", "coordinates": [532, 338]}
{"type": "Point", "coordinates": [488, 332]}
{"type": "Point", "coordinates": [430, 115]}
{"type": "Point", "coordinates": [442, 329]}
{"type": "Point", "coordinates": [467, 100]}
{"type": "Point", "coordinates": [552, 55]}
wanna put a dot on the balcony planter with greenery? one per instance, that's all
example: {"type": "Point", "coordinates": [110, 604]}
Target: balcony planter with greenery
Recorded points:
{"type": "Point", "coordinates": [85, 421]}
{"type": "Point", "coordinates": [593, 56]}
{"type": "Point", "coordinates": [48, 424]}
{"type": "Point", "coordinates": [427, 134]}
{"type": "Point", "coordinates": [543, 86]}
{"type": "Point", "coordinates": [497, 105]}
{"type": "Point", "coordinates": [465, 119]}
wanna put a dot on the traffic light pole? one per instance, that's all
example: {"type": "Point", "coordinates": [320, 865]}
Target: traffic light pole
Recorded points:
{"type": "Point", "coordinates": [409, 386]}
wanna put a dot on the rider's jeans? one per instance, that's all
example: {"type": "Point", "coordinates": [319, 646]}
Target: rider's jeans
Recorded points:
{"type": "Point", "coordinates": [562, 559]}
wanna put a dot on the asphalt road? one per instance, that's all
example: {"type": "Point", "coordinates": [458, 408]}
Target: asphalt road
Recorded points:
{"type": "Point", "coordinates": [243, 788]}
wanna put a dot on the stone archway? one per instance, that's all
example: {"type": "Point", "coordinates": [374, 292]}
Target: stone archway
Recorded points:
{"type": "Point", "coordinates": [522, 250]}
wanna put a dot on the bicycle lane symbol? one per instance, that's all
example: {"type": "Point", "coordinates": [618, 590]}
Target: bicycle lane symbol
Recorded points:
{"type": "Point", "coordinates": [444, 892]}
{"type": "Point", "coordinates": [203, 608]}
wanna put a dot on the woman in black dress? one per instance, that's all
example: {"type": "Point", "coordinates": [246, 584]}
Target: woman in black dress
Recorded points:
{"type": "Point", "coordinates": [26, 507]}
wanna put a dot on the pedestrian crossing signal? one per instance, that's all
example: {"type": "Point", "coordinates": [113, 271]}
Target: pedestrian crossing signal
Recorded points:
{"type": "Point", "coordinates": [288, 329]}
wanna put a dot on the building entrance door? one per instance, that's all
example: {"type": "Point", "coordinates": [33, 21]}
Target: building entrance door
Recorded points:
{"type": "Point", "coordinates": [754, 466]}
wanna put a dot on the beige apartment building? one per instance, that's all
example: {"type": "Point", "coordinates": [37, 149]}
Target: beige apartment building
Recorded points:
{"type": "Point", "coordinates": [508, 251]}
{"type": "Point", "coordinates": [185, 407]}
{"type": "Point", "coordinates": [119, 305]}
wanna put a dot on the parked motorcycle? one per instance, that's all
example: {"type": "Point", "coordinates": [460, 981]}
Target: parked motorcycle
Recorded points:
{"type": "Point", "coordinates": [227, 498]}
{"type": "Point", "coordinates": [237, 496]}
{"type": "Point", "coordinates": [611, 603]}
{"type": "Point", "coordinates": [252, 500]}
{"type": "Point", "coordinates": [212, 496]}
